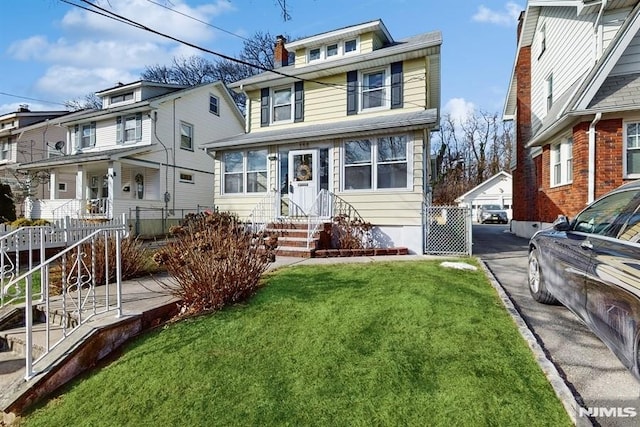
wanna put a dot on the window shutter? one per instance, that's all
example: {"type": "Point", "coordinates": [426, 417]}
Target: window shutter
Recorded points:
{"type": "Point", "coordinates": [92, 138]}
{"type": "Point", "coordinates": [119, 130]}
{"type": "Point", "coordinates": [352, 93]}
{"type": "Point", "coordinates": [396, 85]}
{"type": "Point", "coordinates": [264, 107]}
{"type": "Point", "coordinates": [138, 126]}
{"type": "Point", "coordinates": [298, 112]}
{"type": "Point", "coordinates": [76, 135]}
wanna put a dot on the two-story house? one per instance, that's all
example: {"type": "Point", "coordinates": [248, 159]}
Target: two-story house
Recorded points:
{"type": "Point", "coordinates": [139, 150]}
{"type": "Point", "coordinates": [26, 136]}
{"type": "Point", "coordinates": [575, 98]}
{"type": "Point", "coordinates": [351, 117]}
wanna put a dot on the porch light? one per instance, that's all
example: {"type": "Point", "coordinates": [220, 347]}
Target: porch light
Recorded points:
{"type": "Point", "coordinates": [272, 156]}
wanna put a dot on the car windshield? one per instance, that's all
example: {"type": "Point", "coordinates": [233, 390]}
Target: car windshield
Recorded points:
{"type": "Point", "coordinates": [491, 207]}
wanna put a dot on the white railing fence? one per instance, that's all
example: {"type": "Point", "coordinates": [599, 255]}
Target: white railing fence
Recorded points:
{"type": "Point", "coordinates": [82, 291]}
{"type": "Point", "coordinates": [263, 213]}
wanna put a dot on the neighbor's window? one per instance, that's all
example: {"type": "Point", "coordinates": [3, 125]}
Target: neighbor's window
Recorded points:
{"type": "Point", "coordinates": [129, 128]}
{"type": "Point", "coordinates": [186, 177]}
{"type": "Point", "coordinates": [562, 162]}
{"type": "Point", "coordinates": [122, 97]}
{"type": "Point", "coordinates": [376, 164]}
{"type": "Point", "coordinates": [373, 89]}
{"type": "Point", "coordinates": [332, 50]}
{"type": "Point", "coordinates": [186, 136]}
{"type": "Point", "coordinates": [314, 54]}
{"type": "Point", "coordinates": [245, 172]}
{"type": "Point", "coordinates": [632, 150]}
{"type": "Point", "coordinates": [62, 187]}
{"type": "Point", "coordinates": [85, 135]}
{"type": "Point", "coordinates": [282, 104]}
{"type": "Point", "coordinates": [350, 46]}
{"type": "Point", "coordinates": [543, 39]}
{"type": "Point", "coordinates": [5, 150]}
{"type": "Point", "coordinates": [214, 105]}
{"type": "Point", "coordinates": [549, 92]}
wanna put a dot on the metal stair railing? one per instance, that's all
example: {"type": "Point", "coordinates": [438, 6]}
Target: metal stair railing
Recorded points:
{"type": "Point", "coordinates": [79, 294]}
{"type": "Point", "coordinates": [263, 213]}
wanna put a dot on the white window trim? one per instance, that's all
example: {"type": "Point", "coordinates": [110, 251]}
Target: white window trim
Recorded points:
{"type": "Point", "coordinates": [272, 105]}
{"type": "Point", "coordinates": [543, 39]}
{"type": "Point", "coordinates": [62, 187]}
{"type": "Point", "coordinates": [548, 93]}
{"type": "Point", "coordinates": [625, 169]}
{"type": "Point", "coordinates": [184, 180]}
{"type": "Point", "coordinates": [386, 87]}
{"type": "Point", "coordinates": [217, 113]}
{"type": "Point", "coordinates": [374, 166]}
{"type": "Point", "coordinates": [245, 171]}
{"type": "Point", "coordinates": [353, 52]}
{"type": "Point", "coordinates": [322, 50]}
{"type": "Point", "coordinates": [561, 155]}
{"type": "Point", "coordinates": [192, 135]}
{"type": "Point", "coordinates": [5, 148]}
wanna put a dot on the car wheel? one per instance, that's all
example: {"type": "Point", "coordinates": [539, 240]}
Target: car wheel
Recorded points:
{"type": "Point", "coordinates": [537, 284]}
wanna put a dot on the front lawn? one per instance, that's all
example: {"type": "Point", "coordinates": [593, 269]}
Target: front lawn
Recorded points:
{"type": "Point", "coordinates": [404, 343]}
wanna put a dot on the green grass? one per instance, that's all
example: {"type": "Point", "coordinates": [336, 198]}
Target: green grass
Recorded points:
{"type": "Point", "coordinates": [384, 344]}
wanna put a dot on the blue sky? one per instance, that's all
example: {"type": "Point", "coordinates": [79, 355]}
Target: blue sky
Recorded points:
{"type": "Point", "coordinates": [52, 51]}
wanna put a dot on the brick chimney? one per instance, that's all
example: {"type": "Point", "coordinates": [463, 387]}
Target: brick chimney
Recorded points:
{"type": "Point", "coordinates": [280, 54]}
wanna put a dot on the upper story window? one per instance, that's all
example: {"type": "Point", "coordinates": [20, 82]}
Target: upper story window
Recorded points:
{"type": "Point", "coordinates": [332, 50]}
{"type": "Point", "coordinates": [376, 164]}
{"type": "Point", "coordinates": [121, 98]}
{"type": "Point", "coordinates": [214, 105]}
{"type": "Point", "coordinates": [543, 39]}
{"type": "Point", "coordinates": [350, 46]}
{"type": "Point", "coordinates": [549, 92]}
{"type": "Point", "coordinates": [186, 177]}
{"type": "Point", "coordinates": [374, 94]}
{"type": "Point", "coordinates": [632, 150]}
{"type": "Point", "coordinates": [314, 54]}
{"type": "Point", "coordinates": [186, 136]}
{"type": "Point", "coordinates": [281, 104]}
{"type": "Point", "coordinates": [5, 150]}
{"type": "Point", "coordinates": [245, 172]}
{"type": "Point", "coordinates": [85, 135]}
{"type": "Point", "coordinates": [562, 162]}
{"type": "Point", "coordinates": [129, 128]}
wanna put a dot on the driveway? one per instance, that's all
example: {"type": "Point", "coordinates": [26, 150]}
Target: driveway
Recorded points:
{"type": "Point", "coordinates": [589, 368]}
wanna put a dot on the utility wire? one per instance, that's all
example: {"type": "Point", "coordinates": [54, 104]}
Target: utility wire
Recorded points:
{"type": "Point", "coordinates": [31, 99]}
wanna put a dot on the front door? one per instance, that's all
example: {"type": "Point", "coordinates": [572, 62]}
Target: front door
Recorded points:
{"type": "Point", "coordinates": [303, 179]}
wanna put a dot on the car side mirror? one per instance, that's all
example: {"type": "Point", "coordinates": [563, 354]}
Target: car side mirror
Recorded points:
{"type": "Point", "coordinates": [561, 223]}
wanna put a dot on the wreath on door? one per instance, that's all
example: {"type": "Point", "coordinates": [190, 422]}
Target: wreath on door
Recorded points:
{"type": "Point", "coordinates": [303, 173]}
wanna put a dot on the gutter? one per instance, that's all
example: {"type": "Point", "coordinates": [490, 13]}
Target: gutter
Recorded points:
{"type": "Point", "coordinates": [591, 186]}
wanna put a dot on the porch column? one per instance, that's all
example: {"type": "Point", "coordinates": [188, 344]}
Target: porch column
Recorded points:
{"type": "Point", "coordinates": [53, 185]}
{"type": "Point", "coordinates": [114, 174]}
{"type": "Point", "coordinates": [80, 183]}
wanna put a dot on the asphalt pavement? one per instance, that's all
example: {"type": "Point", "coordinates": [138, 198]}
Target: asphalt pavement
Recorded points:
{"type": "Point", "coordinates": [592, 372]}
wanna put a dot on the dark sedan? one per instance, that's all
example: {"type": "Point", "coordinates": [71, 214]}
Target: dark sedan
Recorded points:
{"type": "Point", "coordinates": [592, 266]}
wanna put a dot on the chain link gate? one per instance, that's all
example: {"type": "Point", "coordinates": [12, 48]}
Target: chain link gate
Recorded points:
{"type": "Point", "coordinates": [447, 230]}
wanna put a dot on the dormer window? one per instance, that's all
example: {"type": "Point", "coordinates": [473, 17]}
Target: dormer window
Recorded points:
{"type": "Point", "coordinates": [332, 50]}
{"type": "Point", "coordinates": [314, 54]}
{"type": "Point", "coordinates": [350, 46]}
{"type": "Point", "coordinates": [122, 97]}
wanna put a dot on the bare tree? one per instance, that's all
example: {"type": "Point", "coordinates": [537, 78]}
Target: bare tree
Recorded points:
{"type": "Point", "coordinates": [469, 152]}
{"type": "Point", "coordinates": [87, 102]}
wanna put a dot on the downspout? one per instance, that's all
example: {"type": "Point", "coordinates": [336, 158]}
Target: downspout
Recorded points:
{"type": "Point", "coordinates": [212, 154]}
{"type": "Point", "coordinates": [167, 195]}
{"type": "Point", "coordinates": [591, 190]}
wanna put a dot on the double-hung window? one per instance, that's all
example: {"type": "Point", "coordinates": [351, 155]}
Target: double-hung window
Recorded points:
{"type": "Point", "coordinates": [245, 171]}
{"type": "Point", "coordinates": [632, 150]}
{"type": "Point", "coordinates": [5, 150]}
{"type": "Point", "coordinates": [374, 89]}
{"type": "Point", "coordinates": [561, 160]}
{"type": "Point", "coordinates": [129, 128]}
{"type": "Point", "coordinates": [214, 105]}
{"type": "Point", "coordinates": [85, 135]}
{"type": "Point", "coordinates": [281, 104]}
{"type": "Point", "coordinates": [372, 164]}
{"type": "Point", "coordinates": [186, 136]}
{"type": "Point", "coordinates": [549, 92]}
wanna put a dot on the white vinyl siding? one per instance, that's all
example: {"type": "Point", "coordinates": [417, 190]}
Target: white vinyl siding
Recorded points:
{"type": "Point", "coordinates": [629, 62]}
{"type": "Point", "coordinates": [569, 41]}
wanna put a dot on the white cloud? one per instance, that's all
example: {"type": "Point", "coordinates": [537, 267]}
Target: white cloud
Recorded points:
{"type": "Point", "coordinates": [459, 109]}
{"type": "Point", "coordinates": [508, 17]}
{"type": "Point", "coordinates": [71, 82]}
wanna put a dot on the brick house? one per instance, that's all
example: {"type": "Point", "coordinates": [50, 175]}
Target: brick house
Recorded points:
{"type": "Point", "coordinates": [575, 98]}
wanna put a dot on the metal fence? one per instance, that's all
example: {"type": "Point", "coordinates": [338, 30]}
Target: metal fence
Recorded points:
{"type": "Point", "coordinates": [447, 230]}
{"type": "Point", "coordinates": [155, 222]}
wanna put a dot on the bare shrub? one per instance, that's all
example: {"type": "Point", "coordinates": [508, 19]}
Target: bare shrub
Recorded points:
{"type": "Point", "coordinates": [215, 261]}
{"type": "Point", "coordinates": [350, 233]}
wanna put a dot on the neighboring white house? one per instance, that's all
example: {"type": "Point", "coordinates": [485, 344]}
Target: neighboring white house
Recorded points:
{"type": "Point", "coordinates": [493, 191]}
{"type": "Point", "coordinates": [139, 150]}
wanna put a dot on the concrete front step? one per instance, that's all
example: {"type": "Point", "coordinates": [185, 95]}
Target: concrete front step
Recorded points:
{"type": "Point", "coordinates": [14, 340]}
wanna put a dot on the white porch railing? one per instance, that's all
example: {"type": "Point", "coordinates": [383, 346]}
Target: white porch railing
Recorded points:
{"type": "Point", "coordinates": [75, 208]}
{"type": "Point", "coordinates": [263, 213]}
{"type": "Point", "coordinates": [80, 297]}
